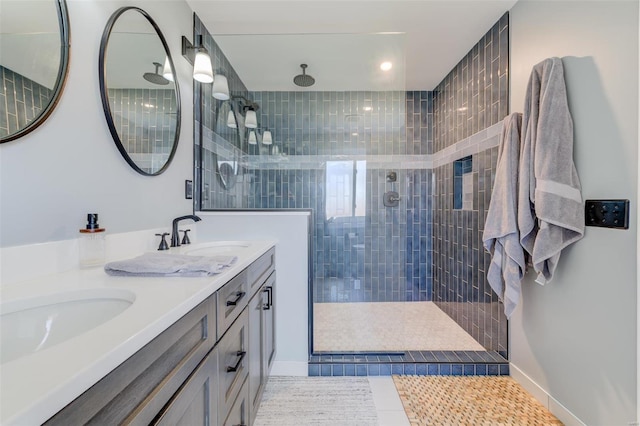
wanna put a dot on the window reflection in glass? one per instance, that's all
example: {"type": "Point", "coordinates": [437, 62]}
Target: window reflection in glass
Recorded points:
{"type": "Point", "coordinates": [346, 183]}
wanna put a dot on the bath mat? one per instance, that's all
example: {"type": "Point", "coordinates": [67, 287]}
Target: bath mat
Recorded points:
{"type": "Point", "coordinates": [448, 400]}
{"type": "Point", "coordinates": [330, 401]}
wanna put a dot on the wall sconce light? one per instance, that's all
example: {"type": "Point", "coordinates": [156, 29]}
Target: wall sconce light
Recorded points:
{"type": "Point", "coordinates": [231, 120]}
{"type": "Point", "coordinates": [250, 119]}
{"type": "Point", "coordinates": [253, 139]}
{"type": "Point", "coordinates": [220, 89]}
{"type": "Point", "coordinates": [167, 72]}
{"type": "Point", "coordinates": [248, 107]}
{"type": "Point", "coordinates": [266, 137]}
{"type": "Point", "coordinates": [199, 58]}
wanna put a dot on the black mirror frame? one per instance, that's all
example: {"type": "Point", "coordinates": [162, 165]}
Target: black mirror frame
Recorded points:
{"type": "Point", "coordinates": [228, 184]}
{"type": "Point", "coordinates": [105, 95]}
{"type": "Point", "coordinates": [63, 72]}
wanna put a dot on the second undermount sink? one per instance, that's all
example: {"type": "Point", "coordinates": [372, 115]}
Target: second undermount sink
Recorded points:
{"type": "Point", "coordinates": [216, 248]}
{"type": "Point", "coordinates": [32, 324]}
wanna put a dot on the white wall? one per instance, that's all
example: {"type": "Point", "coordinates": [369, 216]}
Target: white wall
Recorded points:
{"type": "Point", "coordinates": [69, 166]}
{"type": "Point", "coordinates": [576, 337]}
{"type": "Point", "coordinates": [291, 295]}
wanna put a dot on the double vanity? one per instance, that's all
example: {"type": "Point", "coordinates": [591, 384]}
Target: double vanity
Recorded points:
{"type": "Point", "coordinates": [142, 350]}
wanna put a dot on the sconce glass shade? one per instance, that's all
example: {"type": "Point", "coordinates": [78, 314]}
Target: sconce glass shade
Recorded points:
{"type": "Point", "coordinates": [253, 140]}
{"type": "Point", "coordinates": [202, 70]}
{"type": "Point", "coordinates": [231, 120]}
{"type": "Point", "coordinates": [220, 89]}
{"type": "Point", "coordinates": [266, 137]}
{"type": "Point", "coordinates": [167, 72]}
{"type": "Point", "coordinates": [251, 120]}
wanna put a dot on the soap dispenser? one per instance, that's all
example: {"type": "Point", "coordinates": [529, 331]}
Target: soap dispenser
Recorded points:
{"type": "Point", "coordinates": [92, 243]}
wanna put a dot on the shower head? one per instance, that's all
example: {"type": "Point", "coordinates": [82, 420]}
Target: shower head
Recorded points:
{"type": "Point", "coordinates": [303, 80]}
{"type": "Point", "coordinates": [155, 77]}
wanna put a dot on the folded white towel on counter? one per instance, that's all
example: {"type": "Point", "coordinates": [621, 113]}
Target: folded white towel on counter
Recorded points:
{"type": "Point", "coordinates": [550, 209]}
{"type": "Point", "coordinates": [501, 236]}
{"type": "Point", "coordinates": [170, 265]}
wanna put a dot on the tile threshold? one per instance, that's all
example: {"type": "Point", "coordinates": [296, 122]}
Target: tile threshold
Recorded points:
{"type": "Point", "coordinates": [444, 363]}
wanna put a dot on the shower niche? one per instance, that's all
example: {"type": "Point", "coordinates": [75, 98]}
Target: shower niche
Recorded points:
{"type": "Point", "coordinates": [463, 184]}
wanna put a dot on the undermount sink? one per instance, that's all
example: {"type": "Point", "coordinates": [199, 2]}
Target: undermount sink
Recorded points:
{"type": "Point", "coordinates": [32, 324]}
{"type": "Point", "coordinates": [217, 247]}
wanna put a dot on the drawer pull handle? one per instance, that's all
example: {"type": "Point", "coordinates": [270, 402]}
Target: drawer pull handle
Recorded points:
{"type": "Point", "coordinates": [239, 295]}
{"type": "Point", "coordinates": [269, 290]}
{"type": "Point", "coordinates": [240, 355]}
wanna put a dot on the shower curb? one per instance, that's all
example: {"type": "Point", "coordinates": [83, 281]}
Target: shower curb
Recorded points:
{"type": "Point", "coordinates": [420, 363]}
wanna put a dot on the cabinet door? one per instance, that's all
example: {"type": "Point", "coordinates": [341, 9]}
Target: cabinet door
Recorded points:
{"type": "Point", "coordinates": [255, 381]}
{"type": "Point", "coordinates": [239, 412]}
{"type": "Point", "coordinates": [196, 402]}
{"type": "Point", "coordinates": [269, 325]}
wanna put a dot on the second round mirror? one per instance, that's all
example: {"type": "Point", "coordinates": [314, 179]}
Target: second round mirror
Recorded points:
{"type": "Point", "coordinates": [139, 95]}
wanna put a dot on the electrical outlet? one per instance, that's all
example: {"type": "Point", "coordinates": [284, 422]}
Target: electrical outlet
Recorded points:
{"type": "Point", "coordinates": [607, 213]}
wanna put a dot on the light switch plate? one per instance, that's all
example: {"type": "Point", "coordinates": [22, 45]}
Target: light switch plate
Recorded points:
{"type": "Point", "coordinates": [188, 189]}
{"type": "Point", "coordinates": [607, 213]}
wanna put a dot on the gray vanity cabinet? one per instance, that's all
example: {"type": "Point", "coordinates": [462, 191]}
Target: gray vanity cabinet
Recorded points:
{"type": "Point", "coordinates": [137, 390]}
{"type": "Point", "coordinates": [208, 368]}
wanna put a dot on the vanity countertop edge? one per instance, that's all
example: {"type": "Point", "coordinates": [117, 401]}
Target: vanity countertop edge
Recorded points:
{"type": "Point", "coordinates": [36, 386]}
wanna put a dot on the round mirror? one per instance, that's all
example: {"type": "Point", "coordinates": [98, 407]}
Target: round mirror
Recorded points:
{"type": "Point", "coordinates": [34, 58]}
{"type": "Point", "coordinates": [140, 97]}
{"type": "Point", "coordinates": [227, 133]}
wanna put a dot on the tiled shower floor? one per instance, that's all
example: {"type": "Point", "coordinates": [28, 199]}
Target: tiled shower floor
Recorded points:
{"type": "Point", "coordinates": [387, 326]}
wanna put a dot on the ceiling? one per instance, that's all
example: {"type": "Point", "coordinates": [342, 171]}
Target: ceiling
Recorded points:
{"type": "Point", "coordinates": [344, 41]}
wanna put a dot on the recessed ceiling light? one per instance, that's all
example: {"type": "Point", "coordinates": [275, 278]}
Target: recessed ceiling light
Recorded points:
{"type": "Point", "coordinates": [386, 66]}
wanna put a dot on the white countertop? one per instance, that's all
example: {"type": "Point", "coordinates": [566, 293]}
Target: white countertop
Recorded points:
{"type": "Point", "coordinates": [35, 387]}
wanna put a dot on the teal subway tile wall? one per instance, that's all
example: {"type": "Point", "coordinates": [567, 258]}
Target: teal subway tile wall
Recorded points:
{"type": "Point", "coordinates": [21, 102]}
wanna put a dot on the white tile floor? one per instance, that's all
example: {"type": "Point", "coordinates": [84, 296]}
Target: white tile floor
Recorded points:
{"type": "Point", "coordinates": [387, 326]}
{"type": "Point", "coordinates": [387, 401]}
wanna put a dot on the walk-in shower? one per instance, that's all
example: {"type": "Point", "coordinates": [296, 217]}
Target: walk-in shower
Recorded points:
{"type": "Point", "coordinates": [397, 263]}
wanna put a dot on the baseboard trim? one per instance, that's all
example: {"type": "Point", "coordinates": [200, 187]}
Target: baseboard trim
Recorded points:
{"type": "Point", "coordinates": [539, 393]}
{"type": "Point", "coordinates": [290, 368]}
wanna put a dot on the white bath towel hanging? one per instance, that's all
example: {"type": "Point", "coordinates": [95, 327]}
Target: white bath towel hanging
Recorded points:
{"type": "Point", "coordinates": [550, 209]}
{"type": "Point", "coordinates": [501, 237]}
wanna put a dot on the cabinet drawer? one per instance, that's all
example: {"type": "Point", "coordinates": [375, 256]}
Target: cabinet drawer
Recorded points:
{"type": "Point", "coordinates": [259, 270]}
{"type": "Point", "coordinates": [137, 389]}
{"type": "Point", "coordinates": [232, 298]}
{"type": "Point", "coordinates": [239, 412]}
{"type": "Point", "coordinates": [233, 364]}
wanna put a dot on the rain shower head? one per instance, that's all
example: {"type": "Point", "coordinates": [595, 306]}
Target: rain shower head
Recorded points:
{"type": "Point", "coordinates": [303, 80]}
{"type": "Point", "coordinates": [155, 77]}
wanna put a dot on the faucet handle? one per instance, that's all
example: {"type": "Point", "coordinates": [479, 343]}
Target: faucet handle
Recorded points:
{"type": "Point", "coordinates": [163, 242]}
{"type": "Point", "coordinates": [185, 239]}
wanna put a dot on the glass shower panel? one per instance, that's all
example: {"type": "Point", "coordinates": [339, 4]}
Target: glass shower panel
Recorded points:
{"type": "Point", "coordinates": [334, 146]}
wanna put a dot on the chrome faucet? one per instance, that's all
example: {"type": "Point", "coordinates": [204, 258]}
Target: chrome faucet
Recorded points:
{"type": "Point", "coordinates": [175, 237]}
